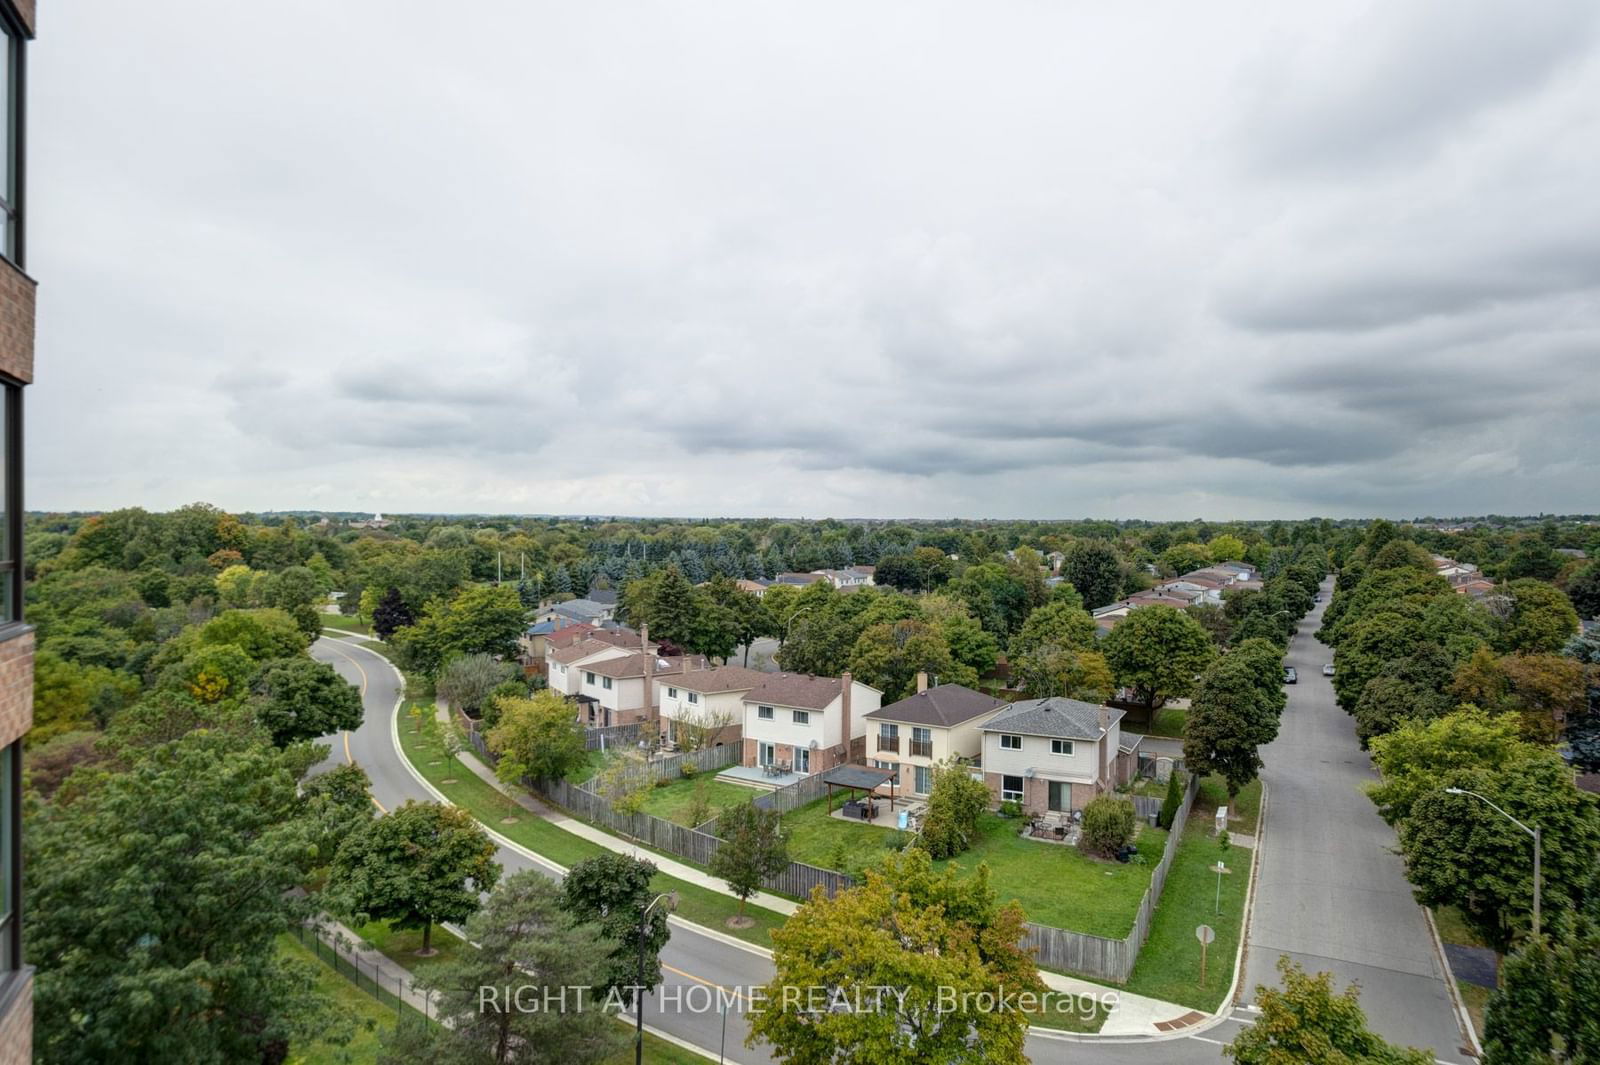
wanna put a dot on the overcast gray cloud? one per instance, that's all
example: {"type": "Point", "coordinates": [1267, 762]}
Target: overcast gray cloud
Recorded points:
{"type": "Point", "coordinates": [1234, 259]}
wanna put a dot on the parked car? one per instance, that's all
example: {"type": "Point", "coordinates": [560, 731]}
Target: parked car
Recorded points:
{"type": "Point", "coordinates": [1327, 670]}
{"type": "Point", "coordinates": [1290, 676]}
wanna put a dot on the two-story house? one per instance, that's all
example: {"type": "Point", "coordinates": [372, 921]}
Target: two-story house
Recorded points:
{"type": "Point", "coordinates": [620, 690]}
{"type": "Point", "coordinates": [705, 706]}
{"type": "Point", "coordinates": [806, 723]}
{"type": "Point", "coordinates": [933, 725]}
{"type": "Point", "coordinates": [1054, 754]}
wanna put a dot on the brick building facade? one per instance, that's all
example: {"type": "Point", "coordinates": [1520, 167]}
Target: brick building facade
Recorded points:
{"type": "Point", "coordinates": [16, 638]}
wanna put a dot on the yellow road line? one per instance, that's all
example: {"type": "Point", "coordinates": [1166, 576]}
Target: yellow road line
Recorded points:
{"type": "Point", "coordinates": [347, 756]}
{"type": "Point", "coordinates": [737, 995]}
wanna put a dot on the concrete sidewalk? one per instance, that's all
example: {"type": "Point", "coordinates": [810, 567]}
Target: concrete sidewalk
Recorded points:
{"type": "Point", "coordinates": [605, 839]}
{"type": "Point", "coordinates": [376, 966]}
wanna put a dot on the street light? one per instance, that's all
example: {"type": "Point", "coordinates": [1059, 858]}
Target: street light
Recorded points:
{"type": "Point", "coordinates": [1538, 847]}
{"type": "Point", "coordinates": [670, 898]}
{"type": "Point", "coordinates": [790, 626]}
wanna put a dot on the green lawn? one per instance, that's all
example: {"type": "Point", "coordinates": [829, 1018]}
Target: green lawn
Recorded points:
{"type": "Point", "coordinates": [1168, 722]}
{"type": "Point", "coordinates": [344, 623]}
{"type": "Point", "coordinates": [402, 946]}
{"type": "Point", "coordinates": [1244, 809]}
{"type": "Point", "coordinates": [695, 903]}
{"type": "Point", "coordinates": [674, 801]}
{"type": "Point", "coordinates": [814, 838]}
{"type": "Point", "coordinates": [1169, 965]}
{"type": "Point", "coordinates": [1069, 1013]}
{"type": "Point", "coordinates": [370, 1017]}
{"type": "Point", "coordinates": [1057, 885]}
{"type": "Point", "coordinates": [1452, 929]}
{"type": "Point", "coordinates": [1476, 999]}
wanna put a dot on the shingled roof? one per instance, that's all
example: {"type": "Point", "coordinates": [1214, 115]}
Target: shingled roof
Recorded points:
{"type": "Point", "coordinates": [943, 706]}
{"type": "Point", "coordinates": [721, 679]}
{"type": "Point", "coordinates": [633, 665]}
{"type": "Point", "coordinates": [795, 689]}
{"type": "Point", "coordinates": [1056, 717]}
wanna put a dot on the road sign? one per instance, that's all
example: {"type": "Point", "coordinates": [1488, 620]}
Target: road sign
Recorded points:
{"type": "Point", "coordinates": [1205, 934]}
{"type": "Point", "coordinates": [1221, 871]}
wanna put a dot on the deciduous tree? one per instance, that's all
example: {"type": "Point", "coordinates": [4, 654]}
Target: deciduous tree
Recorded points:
{"type": "Point", "coordinates": [752, 849]}
{"type": "Point", "coordinates": [1158, 652]}
{"type": "Point", "coordinates": [299, 699]}
{"type": "Point", "coordinates": [1306, 1023]}
{"type": "Point", "coordinates": [418, 864]}
{"type": "Point", "coordinates": [537, 737]}
{"type": "Point", "coordinates": [613, 891]}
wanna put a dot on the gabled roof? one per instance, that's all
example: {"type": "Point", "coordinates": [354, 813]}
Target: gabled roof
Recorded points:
{"type": "Point", "coordinates": [1056, 717]}
{"type": "Point", "coordinates": [582, 609]}
{"type": "Point", "coordinates": [603, 596]}
{"type": "Point", "coordinates": [721, 679]}
{"type": "Point", "coordinates": [941, 707]}
{"type": "Point", "coordinates": [628, 666]}
{"type": "Point", "coordinates": [795, 689]}
{"type": "Point", "coordinates": [582, 649]}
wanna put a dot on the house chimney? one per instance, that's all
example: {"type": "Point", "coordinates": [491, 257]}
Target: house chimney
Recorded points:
{"type": "Point", "coordinates": [844, 706]}
{"type": "Point", "coordinates": [649, 674]}
{"type": "Point", "coordinates": [922, 681]}
{"type": "Point", "coordinates": [1105, 742]}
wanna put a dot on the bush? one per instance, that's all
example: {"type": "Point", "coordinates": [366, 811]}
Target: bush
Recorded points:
{"type": "Point", "coordinates": [1011, 808]}
{"type": "Point", "coordinates": [660, 782]}
{"type": "Point", "coordinates": [1170, 804]}
{"type": "Point", "coordinates": [1107, 826]}
{"type": "Point", "coordinates": [954, 806]}
{"type": "Point", "coordinates": [688, 770]}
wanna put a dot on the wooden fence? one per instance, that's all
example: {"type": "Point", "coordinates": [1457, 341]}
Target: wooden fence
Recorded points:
{"type": "Point", "coordinates": [663, 835]}
{"type": "Point", "coordinates": [595, 739]}
{"type": "Point", "coordinates": [1112, 959]}
{"type": "Point", "coordinates": [802, 791]}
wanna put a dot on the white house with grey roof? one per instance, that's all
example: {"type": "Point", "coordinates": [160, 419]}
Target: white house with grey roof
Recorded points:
{"type": "Point", "coordinates": [805, 724]}
{"type": "Point", "coordinates": [913, 735]}
{"type": "Point", "coordinates": [1055, 754]}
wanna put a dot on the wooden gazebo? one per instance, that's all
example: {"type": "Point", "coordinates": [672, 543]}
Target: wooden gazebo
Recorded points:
{"type": "Point", "coordinates": [860, 778]}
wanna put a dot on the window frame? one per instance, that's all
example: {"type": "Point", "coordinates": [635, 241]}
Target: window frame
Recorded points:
{"type": "Point", "coordinates": [1011, 794]}
{"type": "Point", "coordinates": [694, 698]}
{"type": "Point", "coordinates": [13, 192]}
{"type": "Point", "coordinates": [605, 682]}
{"type": "Point", "coordinates": [800, 717]}
{"type": "Point", "coordinates": [1056, 745]}
{"type": "Point", "coordinates": [672, 693]}
{"type": "Point", "coordinates": [11, 567]}
{"type": "Point", "coordinates": [765, 713]}
{"type": "Point", "coordinates": [1015, 745]}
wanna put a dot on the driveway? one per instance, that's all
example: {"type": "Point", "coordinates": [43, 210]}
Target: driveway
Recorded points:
{"type": "Point", "coordinates": [1332, 892]}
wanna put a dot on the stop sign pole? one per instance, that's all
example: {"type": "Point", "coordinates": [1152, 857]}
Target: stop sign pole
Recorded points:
{"type": "Point", "coordinates": [1205, 935]}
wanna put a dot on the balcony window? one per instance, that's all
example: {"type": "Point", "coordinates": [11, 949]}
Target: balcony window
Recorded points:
{"type": "Point", "coordinates": [11, 74]}
{"type": "Point", "coordinates": [889, 738]}
{"type": "Point", "coordinates": [10, 505]}
{"type": "Point", "coordinates": [922, 743]}
{"type": "Point", "coordinates": [10, 857]}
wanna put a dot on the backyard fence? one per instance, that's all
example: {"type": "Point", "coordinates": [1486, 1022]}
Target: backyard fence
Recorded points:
{"type": "Point", "coordinates": [596, 739]}
{"type": "Point", "coordinates": [660, 834]}
{"type": "Point", "coordinates": [1113, 959]}
{"type": "Point", "coordinates": [1146, 806]}
{"type": "Point", "coordinates": [802, 791]}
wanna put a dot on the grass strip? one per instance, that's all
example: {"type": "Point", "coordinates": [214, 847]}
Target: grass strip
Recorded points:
{"type": "Point", "coordinates": [696, 904]}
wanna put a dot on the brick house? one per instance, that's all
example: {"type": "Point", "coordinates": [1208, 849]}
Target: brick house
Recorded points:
{"type": "Point", "coordinates": [807, 723]}
{"type": "Point", "coordinates": [1055, 754]}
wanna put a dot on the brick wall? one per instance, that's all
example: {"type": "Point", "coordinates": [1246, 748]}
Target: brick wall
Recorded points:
{"type": "Point", "coordinates": [16, 687]}
{"type": "Point", "coordinates": [16, 1025]}
{"type": "Point", "coordinates": [16, 322]}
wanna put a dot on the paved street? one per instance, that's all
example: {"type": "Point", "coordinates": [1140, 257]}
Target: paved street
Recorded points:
{"type": "Point", "coordinates": [1332, 892]}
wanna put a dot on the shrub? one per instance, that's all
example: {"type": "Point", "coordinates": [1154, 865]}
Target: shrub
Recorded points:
{"type": "Point", "coordinates": [688, 770]}
{"type": "Point", "coordinates": [954, 806]}
{"type": "Point", "coordinates": [1107, 826]}
{"type": "Point", "coordinates": [1170, 804]}
{"type": "Point", "coordinates": [1011, 808]}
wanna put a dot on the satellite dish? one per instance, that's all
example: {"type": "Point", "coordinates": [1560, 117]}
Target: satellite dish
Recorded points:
{"type": "Point", "coordinates": [814, 745]}
{"type": "Point", "coordinates": [1029, 773]}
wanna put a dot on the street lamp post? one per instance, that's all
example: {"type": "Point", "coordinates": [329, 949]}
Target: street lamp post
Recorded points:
{"type": "Point", "coordinates": [1538, 848]}
{"type": "Point", "coordinates": [670, 898]}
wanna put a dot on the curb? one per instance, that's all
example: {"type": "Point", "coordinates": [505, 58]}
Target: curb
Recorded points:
{"type": "Point", "coordinates": [1463, 1018]}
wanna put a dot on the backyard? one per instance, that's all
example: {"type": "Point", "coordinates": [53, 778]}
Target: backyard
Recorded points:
{"type": "Point", "coordinates": [1055, 884]}
{"type": "Point", "coordinates": [675, 801]}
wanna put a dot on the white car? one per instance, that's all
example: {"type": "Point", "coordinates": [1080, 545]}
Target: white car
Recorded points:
{"type": "Point", "coordinates": [1327, 670]}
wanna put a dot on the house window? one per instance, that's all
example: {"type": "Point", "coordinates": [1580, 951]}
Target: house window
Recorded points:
{"type": "Point", "coordinates": [1010, 789]}
{"type": "Point", "coordinates": [1009, 742]}
{"type": "Point", "coordinates": [605, 682]}
{"type": "Point", "coordinates": [802, 760]}
{"type": "Point", "coordinates": [802, 717]}
{"type": "Point", "coordinates": [588, 677]}
{"type": "Point", "coordinates": [766, 753]}
{"type": "Point", "coordinates": [694, 697]}
{"type": "Point", "coordinates": [764, 713]}
{"type": "Point", "coordinates": [672, 693]}
{"type": "Point", "coordinates": [888, 737]}
{"type": "Point", "coordinates": [922, 742]}
{"type": "Point", "coordinates": [922, 781]}
{"type": "Point", "coordinates": [1061, 747]}
{"type": "Point", "coordinates": [882, 765]}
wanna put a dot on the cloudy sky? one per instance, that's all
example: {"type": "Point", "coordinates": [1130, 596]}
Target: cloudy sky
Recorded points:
{"type": "Point", "coordinates": [1037, 258]}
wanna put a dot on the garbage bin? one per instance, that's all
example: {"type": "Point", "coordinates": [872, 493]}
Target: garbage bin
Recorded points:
{"type": "Point", "coordinates": [905, 819]}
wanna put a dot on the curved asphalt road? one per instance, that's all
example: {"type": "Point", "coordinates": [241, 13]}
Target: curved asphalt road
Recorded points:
{"type": "Point", "coordinates": [695, 963]}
